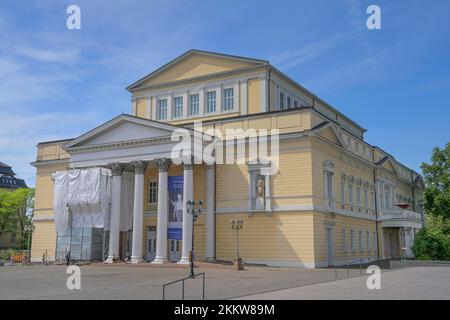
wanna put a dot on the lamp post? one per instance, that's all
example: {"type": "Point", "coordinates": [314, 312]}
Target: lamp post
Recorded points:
{"type": "Point", "coordinates": [194, 208]}
{"type": "Point", "coordinates": [237, 225]}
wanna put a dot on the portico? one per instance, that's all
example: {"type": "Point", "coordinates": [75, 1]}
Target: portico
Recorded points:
{"type": "Point", "coordinates": [129, 144]}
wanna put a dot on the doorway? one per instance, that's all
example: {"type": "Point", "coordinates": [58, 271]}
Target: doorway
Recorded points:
{"type": "Point", "coordinates": [174, 250]}
{"type": "Point", "coordinates": [151, 243]}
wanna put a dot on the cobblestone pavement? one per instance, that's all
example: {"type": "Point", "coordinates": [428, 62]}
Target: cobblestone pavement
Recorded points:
{"type": "Point", "coordinates": [408, 284]}
{"type": "Point", "coordinates": [141, 282]}
{"type": "Point", "coordinates": [145, 282]}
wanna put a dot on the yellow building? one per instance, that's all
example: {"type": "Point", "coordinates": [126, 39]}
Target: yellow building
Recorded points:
{"type": "Point", "coordinates": [333, 198]}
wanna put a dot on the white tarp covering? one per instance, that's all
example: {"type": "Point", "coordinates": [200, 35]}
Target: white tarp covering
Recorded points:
{"type": "Point", "coordinates": [87, 193]}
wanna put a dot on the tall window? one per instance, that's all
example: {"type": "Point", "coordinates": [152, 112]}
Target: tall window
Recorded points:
{"type": "Point", "coordinates": [162, 109]}
{"type": "Point", "coordinates": [281, 100]}
{"type": "Point", "coordinates": [194, 105]}
{"type": "Point", "coordinates": [387, 195]}
{"type": "Point", "coordinates": [350, 194]}
{"type": "Point", "coordinates": [366, 198]}
{"type": "Point", "coordinates": [343, 192]}
{"type": "Point", "coordinates": [153, 192]}
{"type": "Point", "coordinates": [211, 101]}
{"type": "Point", "coordinates": [374, 242]}
{"type": "Point", "coordinates": [288, 102]}
{"type": "Point", "coordinates": [329, 185]}
{"type": "Point", "coordinates": [229, 99]}
{"type": "Point", "coordinates": [360, 240]}
{"type": "Point", "coordinates": [367, 241]}
{"type": "Point", "coordinates": [295, 104]}
{"type": "Point", "coordinates": [352, 240]}
{"type": "Point", "coordinates": [358, 196]}
{"type": "Point", "coordinates": [344, 241]}
{"type": "Point", "coordinates": [178, 109]}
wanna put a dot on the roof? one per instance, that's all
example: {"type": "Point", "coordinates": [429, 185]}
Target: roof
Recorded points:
{"type": "Point", "coordinates": [188, 53]}
{"type": "Point", "coordinates": [7, 179]}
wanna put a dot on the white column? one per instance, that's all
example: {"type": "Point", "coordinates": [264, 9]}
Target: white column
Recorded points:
{"type": "Point", "coordinates": [210, 213]}
{"type": "Point", "coordinates": [188, 194]}
{"type": "Point", "coordinates": [161, 224]}
{"type": "Point", "coordinates": [114, 229]}
{"type": "Point", "coordinates": [138, 211]}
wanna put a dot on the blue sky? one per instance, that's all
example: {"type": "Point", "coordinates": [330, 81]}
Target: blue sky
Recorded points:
{"type": "Point", "coordinates": [57, 83]}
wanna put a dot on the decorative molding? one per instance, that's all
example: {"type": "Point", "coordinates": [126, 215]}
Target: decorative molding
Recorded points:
{"type": "Point", "coordinates": [139, 166]}
{"type": "Point", "coordinates": [163, 164]}
{"type": "Point", "coordinates": [116, 169]}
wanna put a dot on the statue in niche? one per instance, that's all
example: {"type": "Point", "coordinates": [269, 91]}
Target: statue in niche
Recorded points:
{"type": "Point", "coordinates": [260, 198]}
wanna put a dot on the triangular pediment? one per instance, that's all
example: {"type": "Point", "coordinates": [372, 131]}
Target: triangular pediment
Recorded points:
{"type": "Point", "coordinates": [388, 164]}
{"type": "Point", "coordinates": [327, 131]}
{"type": "Point", "coordinates": [195, 63]}
{"type": "Point", "coordinates": [120, 129]}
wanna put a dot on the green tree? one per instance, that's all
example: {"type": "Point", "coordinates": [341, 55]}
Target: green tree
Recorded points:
{"type": "Point", "coordinates": [16, 208]}
{"type": "Point", "coordinates": [437, 181]}
{"type": "Point", "coordinates": [433, 241]}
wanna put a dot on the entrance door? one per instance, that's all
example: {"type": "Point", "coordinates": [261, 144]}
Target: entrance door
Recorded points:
{"type": "Point", "coordinates": [174, 250]}
{"type": "Point", "coordinates": [330, 255]}
{"type": "Point", "coordinates": [151, 243]}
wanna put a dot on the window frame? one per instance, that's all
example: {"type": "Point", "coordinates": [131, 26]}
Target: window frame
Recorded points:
{"type": "Point", "coordinates": [213, 101]}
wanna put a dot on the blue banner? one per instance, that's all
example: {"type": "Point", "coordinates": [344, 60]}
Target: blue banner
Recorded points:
{"type": "Point", "coordinates": [175, 192]}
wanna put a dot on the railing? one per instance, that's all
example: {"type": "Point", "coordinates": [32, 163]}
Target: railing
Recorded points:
{"type": "Point", "coordinates": [347, 266]}
{"type": "Point", "coordinates": [182, 285]}
{"type": "Point", "coordinates": [401, 214]}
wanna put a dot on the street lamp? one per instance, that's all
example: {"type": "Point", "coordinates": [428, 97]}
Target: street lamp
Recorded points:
{"type": "Point", "coordinates": [193, 208]}
{"type": "Point", "coordinates": [237, 225]}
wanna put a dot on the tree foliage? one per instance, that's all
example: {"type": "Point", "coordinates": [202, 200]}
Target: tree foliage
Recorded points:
{"type": "Point", "coordinates": [16, 208]}
{"type": "Point", "coordinates": [433, 241]}
{"type": "Point", "coordinates": [437, 181]}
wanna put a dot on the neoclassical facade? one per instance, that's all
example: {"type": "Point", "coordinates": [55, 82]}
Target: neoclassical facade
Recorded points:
{"type": "Point", "coordinates": [333, 199]}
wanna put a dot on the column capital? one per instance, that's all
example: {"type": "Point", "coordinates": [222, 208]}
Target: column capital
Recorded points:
{"type": "Point", "coordinates": [188, 163]}
{"type": "Point", "coordinates": [116, 168]}
{"type": "Point", "coordinates": [139, 166]}
{"type": "Point", "coordinates": [163, 164]}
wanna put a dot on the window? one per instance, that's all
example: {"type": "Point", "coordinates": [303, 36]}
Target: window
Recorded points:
{"type": "Point", "coordinates": [281, 100]}
{"type": "Point", "coordinates": [288, 102]}
{"type": "Point", "coordinates": [178, 108]}
{"type": "Point", "coordinates": [358, 196]}
{"type": "Point", "coordinates": [153, 192]}
{"type": "Point", "coordinates": [211, 101]}
{"type": "Point", "coordinates": [343, 192]}
{"type": "Point", "coordinates": [367, 241]}
{"type": "Point", "coordinates": [329, 185]}
{"type": "Point", "coordinates": [344, 241]}
{"type": "Point", "coordinates": [360, 240]}
{"type": "Point", "coordinates": [162, 109]}
{"type": "Point", "coordinates": [229, 99]}
{"type": "Point", "coordinates": [194, 105]}
{"type": "Point", "coordinates": [387, 193]}
{"type": "Point", "coordinates": [374, 242]}
{"type": "Point", "coordinates": [350, 194]}
{"type": "Point", "coordinates": [366, 198]}
{"type": "Point", "coordinates": [352, 240]}
{"type": "Point", "coordinates": [295, 104]}
{"type": "Point", "coordinates": [372, 196]}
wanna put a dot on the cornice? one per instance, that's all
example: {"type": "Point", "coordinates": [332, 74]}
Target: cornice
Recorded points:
{"type": "Point", "coordinates": [120, 144]}
{"type": "Point", "coordinates": [217, 75]}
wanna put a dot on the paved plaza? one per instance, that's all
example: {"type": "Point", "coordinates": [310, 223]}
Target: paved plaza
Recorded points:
{"type": "Point", "coordinates": [144, 282]}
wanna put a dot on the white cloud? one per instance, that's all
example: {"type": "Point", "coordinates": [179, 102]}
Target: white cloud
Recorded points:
{"type": "Point", "coordinates": [292, 58]}
{"type": "Point", "coordinates": [48, 55]}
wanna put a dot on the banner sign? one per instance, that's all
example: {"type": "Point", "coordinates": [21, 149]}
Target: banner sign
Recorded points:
{"type": "Point", "coordinates": [175, 225]}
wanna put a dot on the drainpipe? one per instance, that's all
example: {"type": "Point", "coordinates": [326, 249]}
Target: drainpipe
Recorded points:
{"type": "Point", "coordinates": [375, 195]}
{"type": "Point", "coordinates": [268, 91]}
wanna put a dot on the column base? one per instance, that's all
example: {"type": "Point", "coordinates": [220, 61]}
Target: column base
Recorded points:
{"type": "Point", "coordinates": [159, 260]}
{"type": "Point", "coordinates": [184, 260]}
{"type": "Point", "coordinates": [110, 259]}
{"type": "Point", "coordinates": [210, 259]}
{"type": "Point", "coordinates": [136, 260]}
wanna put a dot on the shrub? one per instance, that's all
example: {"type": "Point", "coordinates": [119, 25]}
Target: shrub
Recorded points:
{"type": "Point", "coordinates": [431, 244]}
